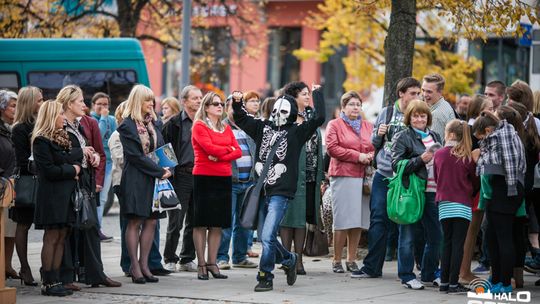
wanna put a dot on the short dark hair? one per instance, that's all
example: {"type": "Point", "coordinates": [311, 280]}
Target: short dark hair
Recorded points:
{"type": "Point", "coordinates": [405, 83]}
{"type": "Point", "coordinates": [294, 88]}
{"type": "Point", "coordinates": [498, 85]}
{"type": "Point", "coordinates": [99, 95]}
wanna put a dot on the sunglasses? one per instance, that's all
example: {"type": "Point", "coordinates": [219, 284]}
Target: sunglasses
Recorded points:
{"type": "Point", "coordinates": [215, 104]}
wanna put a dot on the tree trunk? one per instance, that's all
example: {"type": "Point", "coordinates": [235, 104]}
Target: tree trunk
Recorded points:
{"type": "Point", "coordinates": [127, 18]}
{"type": "Point", "coordinates": [399, 46]}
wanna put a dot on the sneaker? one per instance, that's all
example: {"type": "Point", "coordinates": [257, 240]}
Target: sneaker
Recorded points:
{"type": "Point", "coordinates": [434, 283]}
{"type": "Point", "coordinates": [496, 288]}
{"type": "Point", "coordinates": [481, 269]}
{"type": "Point", "coordinates": [444, 287]}
{"type": "Point", "coordinates": [532, 266]}
{"type": "Point", "coordinates": [291, 270]}
{"type": "Point", "coordinates": [459, 289]}
{"type": "Point", "coordinates": [170, 267]}
{"type": "Point", "coordinates": [223, 265]}
{"type": "Point", "coordinates": [337, 267]}
{"type": "Point", "coordinates": [352, 266]}
{"type": "Point", "coordinates": [359, 275]}
{"type": "Point", "coordinates": [189, 267]}
{"type": "Point", "coordinates": [104, 238]}
{"type": "Point", "coordinates": [414, 284]}
{"type": "Point", "coordinates": [245, 264]}
{"type": "Point", "coordinates": [264, 285]}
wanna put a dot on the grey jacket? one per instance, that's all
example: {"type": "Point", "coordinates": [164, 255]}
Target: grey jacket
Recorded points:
{"type": "Point", "coordinates": [384, 143]}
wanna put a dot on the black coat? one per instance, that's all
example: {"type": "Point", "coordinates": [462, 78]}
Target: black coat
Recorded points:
{"type": "Point", "coordinates": [407, 144]}
{"type": "Point", "coordinates": [20, 135]}
{"type": "Point", "coordinates": [7, 152]}
{"type": "Point", "coordinates": [139, 172]}
{"type": "Point", "coordinates": [57, 182]}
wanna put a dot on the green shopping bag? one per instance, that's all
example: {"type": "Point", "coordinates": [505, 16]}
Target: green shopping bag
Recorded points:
{"type": "Point", "coordinates": [405, 205]}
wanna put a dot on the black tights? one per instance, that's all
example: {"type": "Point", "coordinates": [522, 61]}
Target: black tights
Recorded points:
{"type": "Point", "coordinates": [298, 235]}
{"type": "Point", "coordinates": [53, 248]}
{"type": "Point", "coordinates": [520, 244]}
{"type": "Point", "coordinates": [140, 233]}
{"type": "Point", "coordinates": [21, 243]}
{"type": "Point", "coordinates": [501, 246]}
{"type": "Point", "coordinates": [454, 231]}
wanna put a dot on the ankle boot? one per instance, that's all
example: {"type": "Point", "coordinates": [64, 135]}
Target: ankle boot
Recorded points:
{"type": "Point", "coordinates": [518, 277]}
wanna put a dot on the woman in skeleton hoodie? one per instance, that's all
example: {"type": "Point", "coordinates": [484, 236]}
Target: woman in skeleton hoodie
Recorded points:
{"type": "Point", "coordinates": [281, 181]}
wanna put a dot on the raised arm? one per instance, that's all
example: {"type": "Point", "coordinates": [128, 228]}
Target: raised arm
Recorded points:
{"type": "Point", "coordinates": [309, 127]}
{"type": "Point", "coordinates": [253, 127]}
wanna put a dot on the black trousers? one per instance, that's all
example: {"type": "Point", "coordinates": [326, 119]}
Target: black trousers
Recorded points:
{"type": "Point", "coordinates": [520, 236]}
{"type": "Point", "coordinates": [454, 233]}
{"type": "Point", "coordinates": [82, 254]}
{"type": "Point", "coordinates": [178, 219]}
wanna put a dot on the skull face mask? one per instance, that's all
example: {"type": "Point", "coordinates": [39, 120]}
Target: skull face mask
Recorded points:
{"type": "Point", "coordinates": [281, 112]}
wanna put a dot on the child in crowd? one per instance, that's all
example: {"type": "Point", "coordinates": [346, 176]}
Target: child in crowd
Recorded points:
{"type": "Point", "coordinates": [455, 176]}
{"type": "Point", "coordinates": [501, 167]}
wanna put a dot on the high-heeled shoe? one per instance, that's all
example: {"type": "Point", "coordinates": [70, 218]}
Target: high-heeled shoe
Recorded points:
{"type": "Point", "coordinates": [204, 274]}
{"type": "Point", "coordinates": [140, 280]}
{"type": "Point", "coordinates": [216, 275]}
{"type": "Point", "coordinates": [30, 282]}
{"type": "Point", "coordinates": [150, 279]}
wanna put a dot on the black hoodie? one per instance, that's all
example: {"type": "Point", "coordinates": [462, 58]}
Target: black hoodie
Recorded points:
{"type": "Point", "coordinates": [283, 172]}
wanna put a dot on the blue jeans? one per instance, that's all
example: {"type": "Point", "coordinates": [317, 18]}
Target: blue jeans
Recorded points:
{"type": "Point", "coordinates": [239, 235]}
{"type": "Point", "coordinates": [379, 226]}
{"type": "Point", "coordinates": [104, 194]}
{"type": "Point", "coordinates": [273, 211]}
{"type": "Point", "coordinates": [433, 235]}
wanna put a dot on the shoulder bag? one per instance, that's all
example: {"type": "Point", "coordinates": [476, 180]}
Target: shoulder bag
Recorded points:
{"type": "Point", "coordinates": [405, 205]}
{"type": "Point", "coordinates": [250, 204]}
{"type": "Point", "coordinates": [84, 204]}
{"type": "Point", "coordinates": [25, 190]}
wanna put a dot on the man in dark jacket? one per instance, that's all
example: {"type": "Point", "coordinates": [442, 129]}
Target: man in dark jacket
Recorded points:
{"type": "Point", "coordinates": [177, 131]}
{"type": "Point", "coordinates": [280, 181]}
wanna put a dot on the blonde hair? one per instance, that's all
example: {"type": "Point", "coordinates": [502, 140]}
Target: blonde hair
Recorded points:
{"type": "Point", "coordinates": [138, 95]}
{"type": "Point", "coordinates": [173, 103]}
{"type": "Point", "coordinates": [119, 111]}
{"type": "Point", "coordinates": [68, 95]}
{"type": "Point", "coordinates": [26, 103]}
{"type": "Point", "coordinates": [201, 112]}
{"type": "Point", "coordinates": [46, 119]}
{"type": "Point", "coordinates": [536, 107]}
{"type": "Point", "coordinates": [463, 148]}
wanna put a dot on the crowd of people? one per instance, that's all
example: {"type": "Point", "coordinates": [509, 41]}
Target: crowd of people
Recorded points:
{"type": "Point", "coordinates": [475, 158]}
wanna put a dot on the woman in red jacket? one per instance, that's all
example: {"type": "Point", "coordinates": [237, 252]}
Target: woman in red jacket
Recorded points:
{"type": "Point", "coordinates": [214, 147]}
{"type": "Point", "coordinates": [348, 141]}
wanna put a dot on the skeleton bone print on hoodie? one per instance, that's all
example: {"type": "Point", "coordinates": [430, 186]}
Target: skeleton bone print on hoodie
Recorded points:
{"type": "Point", "coordinates": [283, 172]}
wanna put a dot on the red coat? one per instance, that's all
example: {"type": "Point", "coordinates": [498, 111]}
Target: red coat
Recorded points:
{"type": "Point", "coordinates": [207, 142]}
{"type": "Point", "coordinates": [91, 132]}
{"type": "Point", "coordinates": [345, 146]}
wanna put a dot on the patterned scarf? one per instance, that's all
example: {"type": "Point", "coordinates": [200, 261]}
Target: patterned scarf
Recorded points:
{"type": "Point", "coordinates": [146, 133]}
{"type": "Point", "coordinates": [356, 124]}
{"type": "Point", "coordinates": [61, 138]}
{"type": "Point", "coordinates": [73, 128]}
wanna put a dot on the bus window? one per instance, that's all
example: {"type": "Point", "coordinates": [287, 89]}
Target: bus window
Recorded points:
{"type": "Point", "coordinates": [117, 84]}
{"type": "Point", "coordinates": [10, 81]}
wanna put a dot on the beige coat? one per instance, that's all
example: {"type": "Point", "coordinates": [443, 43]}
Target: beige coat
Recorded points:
{"type": "Point", "coordinates": [117, 155]}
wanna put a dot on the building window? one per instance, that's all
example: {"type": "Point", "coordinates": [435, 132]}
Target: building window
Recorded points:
{"type": "Point", "coordinates": [283, 67]}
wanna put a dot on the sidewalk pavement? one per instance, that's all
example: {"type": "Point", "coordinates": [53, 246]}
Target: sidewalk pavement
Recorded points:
{"type": "Point", "coordinates": [320, 285]}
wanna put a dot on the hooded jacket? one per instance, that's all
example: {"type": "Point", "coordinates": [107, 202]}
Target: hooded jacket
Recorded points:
{"type": "Point", "coordinates": [283, 172]}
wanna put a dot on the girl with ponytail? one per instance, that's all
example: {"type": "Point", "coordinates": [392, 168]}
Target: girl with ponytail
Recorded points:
{"type": "Point", "coordinates": [457, 184]}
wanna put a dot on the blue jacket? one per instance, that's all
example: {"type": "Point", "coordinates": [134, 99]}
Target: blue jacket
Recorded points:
{"type": "Point", "coordinates": [107, 125]}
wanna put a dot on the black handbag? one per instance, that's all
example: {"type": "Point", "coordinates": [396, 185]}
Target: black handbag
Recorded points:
{"type": "Point", "coordinates": [84, 204]}
{"type": "Point", "coordinates": [250, 204]}
{"type": "Point", "coordinates": [25, 190]}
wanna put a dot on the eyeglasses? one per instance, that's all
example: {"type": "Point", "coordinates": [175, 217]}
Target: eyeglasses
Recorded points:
{"type": "Point", "coordinates": [215, 104]}
{"type": "Point", "coordinates": [254, 100]}
{"type": "Point", "coordinates": [354, 104]}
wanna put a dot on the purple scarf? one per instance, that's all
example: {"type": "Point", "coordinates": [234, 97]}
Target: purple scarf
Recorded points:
{"type": "Point", "coordinates": [355, 124]}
